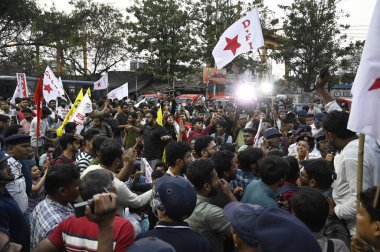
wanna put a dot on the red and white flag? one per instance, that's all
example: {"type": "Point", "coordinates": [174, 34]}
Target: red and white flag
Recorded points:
{"type": "Point", "coordinates": [119, 93]}
{"type": "Point", "coordinates": [51, 88]}
{"type": "Point", "coordinates": [102, 83]}
{"type": "Point", "coordinates": [21, 88]}
{"type": "Point", "coordinates": [364, 115]}
{"type": "Point", "coordinates": [243, 36]}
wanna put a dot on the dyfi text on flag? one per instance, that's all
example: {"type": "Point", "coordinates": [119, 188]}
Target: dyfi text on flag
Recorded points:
{"type": "Point", "coordinates": [243, 36]}
{"type": "Point", "coordinates": [102, 83]}
{"type": "Point", "coordinates": [364, 115]}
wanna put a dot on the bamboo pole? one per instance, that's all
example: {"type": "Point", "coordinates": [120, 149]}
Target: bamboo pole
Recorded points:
{"type": "Point", "coordinates": [360, 171]}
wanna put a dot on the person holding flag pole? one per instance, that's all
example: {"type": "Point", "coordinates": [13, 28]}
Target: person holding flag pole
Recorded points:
{"type": "Point", "coordinates": [71, 112]}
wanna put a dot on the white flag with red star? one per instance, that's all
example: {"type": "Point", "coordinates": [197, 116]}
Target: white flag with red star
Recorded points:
{"type": "Point", "coordinates": [50, 88]}
{"type": "Point", "coordinates": [364, 115]}
{"type": "Point", "coordinates": [102, 83]}
{"type": "Point", "coordinates": [119, 93]}
{"type": "Point", "coordinates": [21, 88]}
{"type": "Point", "coordinates": [243, 36]}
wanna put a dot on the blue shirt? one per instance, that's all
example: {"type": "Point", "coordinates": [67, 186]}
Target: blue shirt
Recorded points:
{"type": "Point", "coordinates": [243, 178]}
{"type": "Point", "coordinates": [257, 192]}
{"type": "Point", "coordinates": [12, 219]}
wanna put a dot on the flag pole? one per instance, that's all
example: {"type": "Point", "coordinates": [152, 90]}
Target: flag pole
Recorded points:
{"type": "Point", "coordinates": [360, 171]}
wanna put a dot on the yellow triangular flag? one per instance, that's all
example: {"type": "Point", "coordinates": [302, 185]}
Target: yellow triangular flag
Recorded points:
{"type": "Point", "coordinates": [159, 116]}
{"type": "Point", "coordinates": [88, 92]}
{"type": "Point", "coordinates": [71, 112]}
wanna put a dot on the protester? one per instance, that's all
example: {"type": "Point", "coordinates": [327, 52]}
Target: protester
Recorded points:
{"type": "Point", "coordinates": [205, 147]}
{"type": "Point", "coordinates": [178, 158]}
{"type": "Point", "coordinates": [85, 157]}
{"type": "Point", "coordinates": [61, 186]}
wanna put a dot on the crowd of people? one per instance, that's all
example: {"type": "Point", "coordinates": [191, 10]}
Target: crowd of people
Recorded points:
{"type": "Point", "coordinates": [162, 176]}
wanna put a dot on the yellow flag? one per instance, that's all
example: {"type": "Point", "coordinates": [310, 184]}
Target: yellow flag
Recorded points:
{"type": "Point", "coordinates": [88, 92]}
{"type": "Point", "coordinates": [71, 112]}
{"type": "Point", "coordinates": [159, 117]}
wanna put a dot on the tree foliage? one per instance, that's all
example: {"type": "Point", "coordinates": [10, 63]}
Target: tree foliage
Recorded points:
{"type": "Point", "coordinates": [311, 39]}
{"type": "Point", "coordinates": [160, 32]}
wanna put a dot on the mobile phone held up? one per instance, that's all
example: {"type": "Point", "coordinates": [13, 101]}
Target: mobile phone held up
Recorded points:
{"type": "Point", "coordinates": [80, 208]}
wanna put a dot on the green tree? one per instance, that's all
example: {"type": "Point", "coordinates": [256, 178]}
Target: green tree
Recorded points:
{"type": "Point", "coordinates": [162, 28]}
{"type": "Point", "coordinates": [312, 38]}
{"type": "Point", "coordinates": [349, 63]}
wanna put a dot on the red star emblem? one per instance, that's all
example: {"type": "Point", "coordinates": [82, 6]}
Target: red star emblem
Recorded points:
{"type": "Point", "coordinates": [232, 44]}
{"type": "Point", "coordinates": [375, 85]}
{"type": "Point", "coordinates": [99, 84]}
{"type": "Point", "coordinates": [48, 88]}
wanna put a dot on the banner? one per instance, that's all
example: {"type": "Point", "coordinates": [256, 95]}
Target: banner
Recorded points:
{"type": "Point", "coordinates": [243, 36]}
{"type": "Point", "coordinates": [71, 112]}
{"type": "Point", "coordinates": [51, 88]}
{"type": "Point", "coordinates": [214, 76]}
{"type": "Point", "coordinates": [79, 115]}
{"type": "Point", "coordinates": [102, 83]}
{"type": "Point", "coordinates": [21, 88]}
{"type": "Point", "coordinates": [119, 93]}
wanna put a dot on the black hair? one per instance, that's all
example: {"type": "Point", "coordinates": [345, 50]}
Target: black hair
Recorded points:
{"type": "Point", "coordinates": [272, 169]}
{"type": "Point", "coordinates": [367, 199]}
{"type": "Point", "coordinates": [70, 127]}
{"type": "Point", "coordinates": [66, 139]}
{"type": "Point", "coordinates": [321, 170]}
{"type": "Point", "coordinates": [251, 131]}
{"type": "Point", "coordinates": [222, 160]}
{"type": "Point", "coordinates": [293, 173]}
{"type": "Point", "coordinates": [195, 120]}
{"type": "Point", "coordinates": [48, 145]}
{"type": "Point", "coordinates": [222, 123]}
{"type": "Point", "coordinates": [336, 122]}
{"type": "Point", "coordinates": [97, 142]}
{"type": "Point", "coordinates": [89, 134]}
{"type": "Point", "coordinates": [249, 156]}
{"type": "Point", "coordinates": [60, 175]}
{"type": "Point", "coordinates": [46, 111]}
{"type": "Point", "coordinates": [276, 153]}
{"type": "Point", "coordinates": [133, 115]}
{"type": "Point", "coordinates": [311, 207]}
{"type": "Point", "coordinates": [94, 183]}
{"type": "Point", "coordinates": [109, 151]}
{"type": "Point", "coordinates": [159, 164]}
{"type": "Point", "coordinates": [157, 174]}
{"type": "Point", "coordinates": [12, 130]}
{"type": "Point", "coordinates": [175, 151]}
{"type": "Point", "coordinates": [202, 143]}
{"type": "Point", "coordinates": [153, 113]}
{"type": "Point", "coordinates": [27, 110]}
{"type": "Point", "coordinates": [199, 172]}
{"type": "Point", "coordinates": [228, 147]}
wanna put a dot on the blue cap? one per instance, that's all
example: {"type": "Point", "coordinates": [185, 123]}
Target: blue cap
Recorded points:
{"type": "Point", "coordinates": [271, 132]}
{"type": "Point", "coordinates": [302, 112]}
{"type": "Point", "coordinates": [319, 116]}
{"type": "Point", "coordinates": [303, 128]}
{"type": "Point", "coordinates": [177, 196]}
{"type": "Point", "coordinates": [17, 139]}
{"type": "Point", "coordinates": [290, 133]}
{"type": "Point", "coordinates": [243, 217]}
{"type": "Point", "coordinates": [320, 135]}
{"type": "Point", "coordinates": [278, 230]}
{"type": "Point", "coordinates": [150, 244]}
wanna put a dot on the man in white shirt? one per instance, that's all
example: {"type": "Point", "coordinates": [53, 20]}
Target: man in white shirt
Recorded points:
{"type": "Point", "coordinates": [44, 127]}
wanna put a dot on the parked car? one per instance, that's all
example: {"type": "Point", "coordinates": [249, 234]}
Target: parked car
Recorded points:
{"type": "Point", "coordinates": [195, 98]}
{"type": "Point", "coordinates": [222, 100]}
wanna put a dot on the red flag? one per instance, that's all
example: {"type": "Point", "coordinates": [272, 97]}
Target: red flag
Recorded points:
{"type": "Point", "coordinates": [38, 95]}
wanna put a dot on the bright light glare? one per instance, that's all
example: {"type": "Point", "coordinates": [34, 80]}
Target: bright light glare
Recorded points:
{"type": "Point", "coordinates": [266, 87]}
{"type": "Point", "coordinates": [246, 93]}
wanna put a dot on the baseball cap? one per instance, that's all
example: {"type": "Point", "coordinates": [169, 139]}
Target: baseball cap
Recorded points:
{"type": "Point", "coordinates": [150, 244]}
{"type": "Point", "coordinates": [302, 112]}
{"type": "Point", "coordinates": [17, 139]}
{"type": "Point", "coordinates": [320, 135]}
{"type": "Point", "coordinates": [303, 128]}
{"type": "Point", "coordinates": [290, 133]}
{"type": "Point", "coordinates": [243, 217]}
{"type": "Point", "coordinates": [177, 196]}
{"type": "Point", "coordinates": [278, 230]}
{"type": "Point", "coordinates": [319, 116]}
{"type": "Point", "coordinates": [271, 132]}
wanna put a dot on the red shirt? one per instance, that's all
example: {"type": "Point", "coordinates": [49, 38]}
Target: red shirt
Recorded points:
{"type": "Point", "coordinates": [80, 234]}
{"type": "Point", "coordinates": [62, 159]}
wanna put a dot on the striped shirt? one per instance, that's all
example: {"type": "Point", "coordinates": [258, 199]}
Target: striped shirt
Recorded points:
{"type": "Point", "coordinates": [83, 160]}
